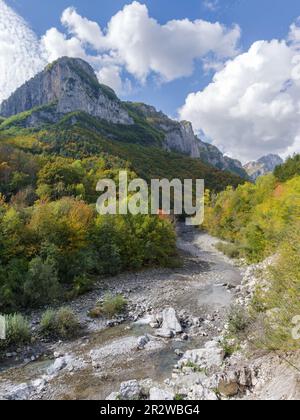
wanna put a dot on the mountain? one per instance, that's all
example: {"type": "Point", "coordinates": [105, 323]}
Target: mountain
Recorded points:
{"type": "Point", "coordinates": [180, 137]}
{"type": "Point", "coordinates": [262, 166]}
{"type": "Point", "coordinates": [65, 86]}
{"type": "Point", "coordinates": [68, 112]}
{"type": "Point", "coordinates": [70, 85]}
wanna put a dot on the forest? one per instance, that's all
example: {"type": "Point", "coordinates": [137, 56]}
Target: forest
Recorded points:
{"type": "Point", "coordinates": [259, 221]}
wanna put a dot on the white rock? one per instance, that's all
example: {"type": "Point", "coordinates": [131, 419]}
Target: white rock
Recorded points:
{"type": "Point", "coordinates": [170, 324]}
{"type": "Point", "coordinates": [161, 332]}
{"type": "Point", "coordinates": [130, 390]}
{"type": "Point", "coordinates": [211, 356]}
{"type": "Point", "coordinates": [19, 392]}
{"type": "Point", "coordinates": [158, 394]}
{"type": "Point", "coordinates": [57, 366]}
{"type": "Point", "coordinates": [114, 396]}
{"type": "Point", "coordinates": [170, 320]}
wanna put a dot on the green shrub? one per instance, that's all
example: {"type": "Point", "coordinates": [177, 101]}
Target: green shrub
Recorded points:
{"type": "Point", "coordinates": [229, 249]}
{"type": "Point", "coordinates": [230, 346]}
{"type": "Point", "coordinates": [17, 331]}
{"type": "Point", "coordinates": [238, 319]}
{"type": "Point", "coordinates": [41, 286]}
{"type": "Point", "coordinates": [179, 397]}
{"type": "Point", "coordinates": [278, 305]}
{"type": "Point", "coordinates": [111, 306]}
{"type": "Point", "coordinates": [95, 312]}
{"type": "Point", "coordinates": [48, 323]}
{"type": "Point", "coordinates": [67, 323]}
{"type": "Point", "coordinates": [59, 324]}
{"type": "Point", "coordinates": [82, 284]}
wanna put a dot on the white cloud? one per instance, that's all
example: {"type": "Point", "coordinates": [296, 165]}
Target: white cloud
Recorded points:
{"type": "Point", "coordinates": [140, 44]}
{"type": "Point", "coordinates": [252, 106]}
{"type": "Point", "coordinates": [211, 5]}
{"type": "Point", "coordinates": [57, 45]}
{"type": "Point", "coordinates": [20, 54]}
{"type": "Point", "coordinates": [84, 29]}
{"type": "Point", "coordinates": [132, 42]}
{"type": "Point", "coordinates": [111, 76]}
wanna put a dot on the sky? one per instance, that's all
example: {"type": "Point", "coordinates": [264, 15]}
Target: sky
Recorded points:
{"type": "Point", "coordinates": [231, 67]}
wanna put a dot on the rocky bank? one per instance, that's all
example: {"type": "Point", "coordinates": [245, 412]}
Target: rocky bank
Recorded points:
{"type": "Point", "coordinates": [169, 345]}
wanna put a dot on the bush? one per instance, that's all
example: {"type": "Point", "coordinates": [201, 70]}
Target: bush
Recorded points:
{"type": "Point", "coordinates": [82, 284]}
{"type": "Point", "coordinates": [229, 249]}
{"type": "Point", "coordinates": [41, 286]}
{"type": "Point", "coordinates": [111, 306]}
{"type": "Point", "coordinates": [48, 323]}
{"type": "Point", "coordinates": [278, 305]}
{"type": "Point", "coordinates": [238, 319]}
{"type": "Point", "coordinates": [230, 346]}
{"type": "Point", "coordinates": [17, 331]}
{"type": "Point", "coordinates": [59, 324]}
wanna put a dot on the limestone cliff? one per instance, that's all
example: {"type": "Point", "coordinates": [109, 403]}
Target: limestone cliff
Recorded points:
{"type": "Point", "coordinates": [68, 85]}
{"type": "Point", "coordinates": [180, 137]}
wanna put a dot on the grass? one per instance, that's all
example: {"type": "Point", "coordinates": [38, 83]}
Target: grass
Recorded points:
{"type": "Point", "coordinates": [238, 319]}
{"type": "Point", "coordinates": [229, 345]}
{"type": "Point", "coordinates": [179, 397]}
{"type": "Point", "coordinates": [111, 306]}
{"type": "Point", "coordinates": [18, 331]}
{"type": "Point", "coordinates": [195, 367]}
{"type": "Point", "coordinates": [59, 324]}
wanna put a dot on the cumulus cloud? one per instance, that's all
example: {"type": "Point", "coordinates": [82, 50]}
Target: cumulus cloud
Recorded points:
{"type": "Point", "coordinates": [111, 75]}
{"type": "Point", "coordinates": [20, 53]}
{"type": "Point", "coordinates": [252, 105]}
{"type": "Point", "coordinates": [132, 42]}
{"type": "Point", "coordinates": [135, 41]}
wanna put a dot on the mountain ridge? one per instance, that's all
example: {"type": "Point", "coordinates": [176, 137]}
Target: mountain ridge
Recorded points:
{"type": "Point", "coordinates": [70, 85]}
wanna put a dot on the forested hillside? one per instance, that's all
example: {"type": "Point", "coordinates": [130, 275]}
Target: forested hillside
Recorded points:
{"type": "Point", "coordinates": [52, 243]}
{"type": "Point", "coordinates": [259, 221]}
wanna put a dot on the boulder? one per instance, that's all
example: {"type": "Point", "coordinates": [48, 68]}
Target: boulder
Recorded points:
{"type": "Point", "coordinates": [59, 364]}
{"type": "Point", "coordinates": [158, 394]}
{"type": "Point", "coordinates": [19, 392]}
{"type": "Point", "coordinates": [130, 390]}
{"type": "Point", "coordinates": [201, 393]}
{"type": "Point", "coordinates": [228, 385]}
{"type": "Point", "coordinates": [114, 396]}
{"type": "Point", "coordinates": [142, 342]}
{"type": "Point", "coordinates": [161, 332]}
{"type": "Point", "coordinates": [211, 356]}
{"type": "Point", "coordinates": [170, 325]}
{"type": "Point", "coordinates": [231, 382]}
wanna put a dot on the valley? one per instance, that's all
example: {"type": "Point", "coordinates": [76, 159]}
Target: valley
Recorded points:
{"type": "Point", "coordinates": [139, 307]}
{"type": "Point", "coordinates": [200, 292]}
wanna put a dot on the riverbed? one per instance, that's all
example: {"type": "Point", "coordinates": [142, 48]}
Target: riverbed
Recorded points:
{"type": "Point", "coordinates": [202, 289]}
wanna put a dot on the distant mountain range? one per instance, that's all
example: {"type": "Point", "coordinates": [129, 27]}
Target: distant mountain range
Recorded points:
{"type": "Point", "coordinates": [262, 166]}
{"type": "Point", "coordinates": [68, 90]}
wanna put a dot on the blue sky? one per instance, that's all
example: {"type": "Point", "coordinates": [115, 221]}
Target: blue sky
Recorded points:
{"type": "Point", "coordinates": [258, 19]}
{"type": "Point", "coordinates": [198, 60]}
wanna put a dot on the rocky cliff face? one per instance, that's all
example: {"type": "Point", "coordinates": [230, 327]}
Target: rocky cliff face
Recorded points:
{"type": "Point", "coordinates": [262, 166]}
{"type": "Point", "coordinates": [180, 137]}
{"type": "Point", "coordinates": [68, 85]}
